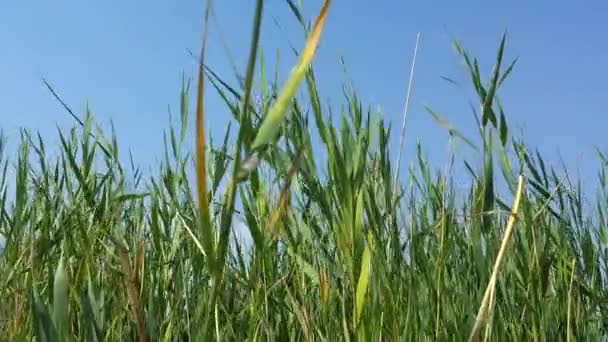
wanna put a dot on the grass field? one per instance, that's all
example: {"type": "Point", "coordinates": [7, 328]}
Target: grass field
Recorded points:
{"type": "Point", "coordinates": [97, 251]}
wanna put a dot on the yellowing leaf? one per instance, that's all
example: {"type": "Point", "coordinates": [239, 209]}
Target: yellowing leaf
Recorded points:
{"type": "Point", "coordinates": [271, 122]}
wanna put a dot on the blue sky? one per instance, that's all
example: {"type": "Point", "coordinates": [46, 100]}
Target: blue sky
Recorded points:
{"type": "Point", "coordinates": [126, 58]}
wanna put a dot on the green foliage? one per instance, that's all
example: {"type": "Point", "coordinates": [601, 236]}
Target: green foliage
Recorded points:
{"type": "Point", "coordinates": [95, 251]}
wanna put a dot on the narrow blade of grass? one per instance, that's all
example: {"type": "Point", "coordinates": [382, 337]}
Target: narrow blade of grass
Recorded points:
{"type": "Point", "coordinates": [201, 160]}
{"type": "Point", "coordinates": [273, 119]}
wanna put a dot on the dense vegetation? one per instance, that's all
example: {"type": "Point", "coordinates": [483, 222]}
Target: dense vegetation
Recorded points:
{"type": "Point", "coordinates": [341, 248]}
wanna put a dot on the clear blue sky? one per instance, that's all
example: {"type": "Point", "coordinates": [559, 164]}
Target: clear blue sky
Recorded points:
{"type": "Point", "coordinates": [126, 58]}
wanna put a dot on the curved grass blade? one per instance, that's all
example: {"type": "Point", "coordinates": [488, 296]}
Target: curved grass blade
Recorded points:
{"type": "Point", "coordinates": [451, 130]}
{"type": "Point", "coordinates": [228, 206]}
{"type": "Point", "coordinates": [271, 123]}
{"type": "Point", "coordinates": [229, 202]}
{"type": "Point", "coordinates": [487, 112]}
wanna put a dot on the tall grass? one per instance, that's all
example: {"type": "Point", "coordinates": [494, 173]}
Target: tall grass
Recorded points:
{"type": "Point", "coordinates": [96, 251]}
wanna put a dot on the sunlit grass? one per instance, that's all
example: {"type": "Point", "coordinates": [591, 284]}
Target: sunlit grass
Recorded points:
{"type": "Point", "coordinates": [96, 251]}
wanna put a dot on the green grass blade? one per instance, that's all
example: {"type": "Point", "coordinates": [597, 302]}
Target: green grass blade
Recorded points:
{"type": "Point", "coordinates": [451, 130]}
{"type": "Point", "coordinates": [44, 329]}
{"type": "Point", "coordinates": [362, 284]}
{"type": "Point", "coordinates": [487, 112]}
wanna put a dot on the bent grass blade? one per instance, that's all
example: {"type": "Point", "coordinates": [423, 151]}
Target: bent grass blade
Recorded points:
{"type": "Point", "coordinates": [276, 114]}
